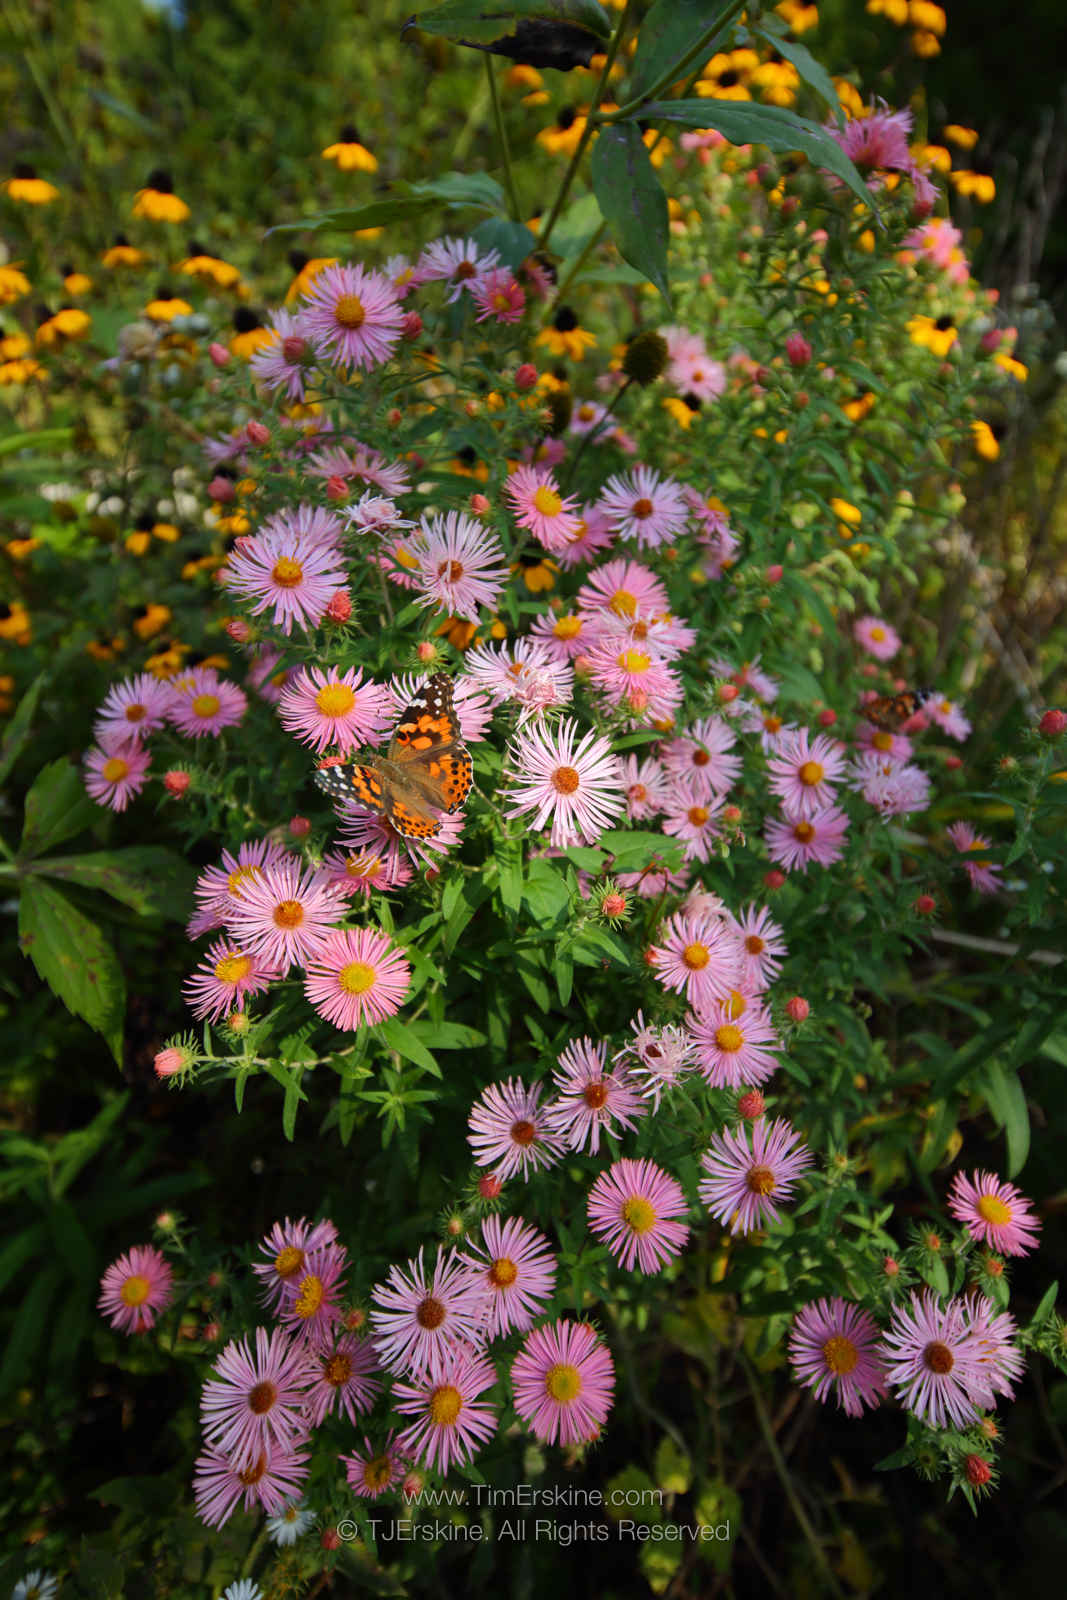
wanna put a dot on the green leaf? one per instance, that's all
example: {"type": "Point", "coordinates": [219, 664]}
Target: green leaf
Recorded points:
{"type": "Point", "coordinates": [398, 1036]}
{"type": "Point", "coordinates": [513, 240]}
{"type": "Point", "coordinates": [36, 439]}
{"type": "Point", "coordinates": [74, 959]}
{"type": "Point", "coordinates": [1007, 1102]}
{"type": "Point", "coordinates": [1045, 1305]}
{"type": "Point", "coordinates": [776, 127]}
{"type": "Point", "coordinates": [121, 109]}
{"type": "Point", "coordinates": [668, 32]}
{"type": "Point", "coordinates": [563, 967]}
{"type": "Point", "coordinates": [293, 1096]}
{"type": "Point", "coordinates": [406, 200]}
{"type": "Point", "coordinates": [57, 807]}
{"type": "Point", "coordinates": [447, 1035]}
{"type": "Point", "coordinates": [632, 200]}
{"type": "Point", "coordinates": [509, 869]}
{"type": "Point", "coordinates": [813, 73]}
{"type": "Point", "coordinates": [148, 878]}
{"type": "Point", "coordinates": [486, 21]}
{"type": "Point", "coordinates": [634, 850]}
{"type": "Point", "coordinates": [31, 1324]}
{"type": "Point", "coordinates": [18, 729]}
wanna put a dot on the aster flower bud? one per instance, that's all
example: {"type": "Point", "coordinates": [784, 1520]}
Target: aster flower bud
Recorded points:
{"type": "Point", "coordinates": [1053, 724]}
{"type": "Point", "coordinates": [526, 376]}
{"type": "Point", "coordinates": [339, 607]}
{"type": "Point", "coordinates": [176, 782]}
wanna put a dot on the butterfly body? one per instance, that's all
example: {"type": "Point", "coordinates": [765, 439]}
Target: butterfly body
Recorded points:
{"type": "Point", "coordinates": [427, 769]}
{"type": "Point", "coordinates": [890, 712]}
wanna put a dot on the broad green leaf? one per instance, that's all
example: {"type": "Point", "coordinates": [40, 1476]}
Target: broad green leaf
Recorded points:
{"type": "Point", "coordinates": [1007, 1102]}
{"type": "Point", "coordinates": [563, 967]}
{"type": "Point", "coordinates": [632, 200]}
{"type": "Point", "coordinates": [486, 21]}
{"type": "Point", "coordinates": [447, 1035]}
{"type": "Point", "coordinates": [36, 439]}
{"type": "Point", "coordinates": [57, 807]}
{"type": "Point", "coordinates": [576, 227]}
{"type": "Point", "coordinates": [396, 1035]}
{"type": "Point", "coordinates": [147, 878]}
{"type": "Point", "coordinates": [512, 240]}
{"type": "Point", "coordinates": [509, 868]}
{"type": "Point", "coordinates": [31, 1324]}
{"type": "Point", "coordinates": [776, 127]}
{"type": "Point", "coordinates": [74, 959]}
{"type": "Point", "coordinates": [18, 729]}
{"type": "Point", "coordinates": [634, 850]}
{"type": "Point", "coordinates": [813, 73]}
{"type": "Point", "coordinates": [669, 31]}
{"type": "Point", "coordinates": [1045, 1305]}
{"type": "Point", "coordinates": [452, 189]}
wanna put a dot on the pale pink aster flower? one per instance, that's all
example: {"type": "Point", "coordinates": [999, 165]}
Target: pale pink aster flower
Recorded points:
{"type": "Point", "coordinates": [135, 1289]}
{"type": "Point", "coordinates": [934, 1363]}
{"type": "Point", "coordinates": [762, 946]}
{"type": "Point", "coordinates": [819, 838]}
{"type": "Point", "coordinates": [632, 1207]}
{"type": "Point", "coordinates": [746, 1182]}
{"type": "Point", "coordinates": [749, 675]}
{"type": "Point", "coordinates": [879, 741]}
{"type": "Point", "coordinates": [451, 1424]}
{"type": "Point", "coordinates": [624, 587]}
{"type": "Point", "coordinates": [699, 375]}
{"type": "Point", "coordinates": [255, 1402]}
{"type": "Point", "coordinates": [876, 637]}
{"type": "Point", "coordinates": [352, 317]}
{"type": "Point", "coordinates": [733, 1047]}
{"type": "Point", "coordinates": [894, 788]}
{"type": "Point", "coordinates": [314, 524]}
{"type": "Point", "coordinates": [984, 875]}
{"type": "Point", "coordinates": [697, 956]}
{"type": "Point", "coordinates": [509, 1127]}
{"type": "Point", "coordinates": [995, 1213]}
{"type": "Point", "coordinates": [132, 709]}
{"type": "Point", "coordinates": [356, 977]}
{"type": "Point", "coordinates": [496, 669]}
{"type": "Point", "coordinates": [664, 634]}
{"type": "Point", "coordinates": [203, 703]}
{"type": "Point", "coordinates": [701, 902]}
{"type": "Point", "coordinates": [636, 680]}
{"type": "Point", "coordinates": [457, 262]}
{"type": "Point", "coordinates": [537, 504]}
{"type": "Point", "coordinates": [564, 636]}
{"type": "Point", "coordinates": [543, 688]}
{"type": "Point", "coordinates": [371, 466]}
{"type": "Point", "coordinates": [328, 708]}
{"type": "Point", "coordinates": [499, 295]}
{"type": "Point", "coordinates": [834, 1350]}
{"type": "Point", "coordinates": [116, 772]}
{"type": "Point", "coordinates": [375, 514]}
{"type": "Point", "coordinates": [344, 1379]}
{"type": "Point", "coordinates": [879, 139]}
{"type": "Point", "coordinates": [594, 532]}
{"type": "Point", "coordinates": [771, 728]}
{"type": "Point", "coordinates": [284, 365]}
{"type": "Point", "coordinates": [682, 343]}
{"type": "Point", "coordinates": [691, 815]}
{"type": "Point", "coordinates": [225, 978]}
{"type": "Point", "coordinates": [645, 507]}
{"type": "Point", "coordinates": [591, 1099]}
{"type": "Point", "coordinates": [804, 772]}
{"type": "Point", "coordinates": [418, 1318]}
{"type": "Point", "coordinates": [588, 416]}
{"type": "Point", "coordinates": [516, 1263]}
{"type": "Point", "coordinates": [295, 576]}
{"type": "Point", "coordinates": [361, 871]}
{"type": "Point", "coordinates": [574, 782]}
{"type": "Point", "coordinates": [217, 888]}
{"type": "Point", "coordinates": [285, 915]}
{"type": "Point", "coordinates": [227, 448]}
{"type": "Point", "coordinates": [548, 453]}
{"type": "Point", "coordinates": [377, 1470]}
{"type": "Point", "coordinates": [461, 565]}
{"type": "Point", "coordinates": [365, 833]}
{"type": "Point", "coordinates": [993, 1334]}
{"type": "Point", "coordinates": [286, 1248]}
{"type": "Point", "coordinates": [657, 1057]}
{"type": "Point", "coordinates": [949, 717]}
{"type": "Point", "coordinates": [646, 787]}
{"type": "Point", "coordinates": [403, 276]}
{"type": "Point", "coordinates": [271, 1482]}
{"type": "Point", "coordinates": [311, 1305]}
{"type": "Point", "coordinates": [262, 677]}
{"type": "Point", "coordinates": [564, 1382]}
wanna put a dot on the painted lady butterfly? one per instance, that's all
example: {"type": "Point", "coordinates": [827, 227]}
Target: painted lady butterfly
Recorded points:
{"type": "Point", "coordinates": [427, 769]}
{"type": "Point", "coordinates": [891, 711]}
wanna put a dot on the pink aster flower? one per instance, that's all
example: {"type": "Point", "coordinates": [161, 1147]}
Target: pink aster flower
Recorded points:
{"type": "Point", "coordinates": [116, 772]}
{"type": "Point", "coordinates": [994, 1334]}
{"type": "Point", "coordinates": [574, 782]}
{"type": "Point", "coordinates": [202, 703]}
{"type": "Point", "coordinates": [948, 716]}
{"type": "Point", "coordinates": [286, 1248]}
{"type": "Point", "coordinates": [623, 587]}
{"type": "Point", "coordinates": [746, 1182]}
{"type": "Point", "coordinates": [344, 1379]}
{"type": "Point", "coordinates": [218, 888]}
{"type": "Point", "coordinates": [632, 1207]}
{"type": "Point", "coordinates": [356, 977]}
{"type": "Point", "coordinates": [509, 1126]}
{"type": "Point", "coordinates": [285, 915]}
{"type": "Point", "coordinates": [451, 1424]}
{"type": "Point", "coordinates": [895, 788]}
{"type": "Point", "coordinates": [352, 317]}
{"type": "Point", "coordinates": [697, 956]}
{"type": "Point", "coordinates": [645, 783]}
{"type": "Point", "coordinates": [702, 756]}
{"type": "Point", "coordinates": [692, 816]}
{"type": "Point", "coordinates": [564, 636]}
{"type": "Point", "coordinates": [995, 1213]}
{"type": "Point", "coordinates": [255, 1402]}
{"type": "Point", "coordinates": [375, 514]}
{"type": "Point", "coordinates": [516, 1264]}
{"type": "Point", "coordinates": [310, 1309]}
{"type": "Point", "coordinates": [734, 1047]}
{"type": "Point", "coordinates": [329, 708]}
{"type": "Point", "coordinates": [762, 946]}
{"type": "Point", "coordinates": [271, 1481]}
{"type": "Point", "coordinates": [538, 505]}
{"type": "Point", "coordinates": [834, 1350]}
{"type": "Point", "coordinates": [262, 677]}
{"type": "Point", "coordinates": [136, 1288]}
{"type": "Point", "coordinates": [461, 565]}
{"type": "Point", "coordinates": [877, 140]}
{"type": "Point", "coordinates": [819, 838]}
{"type": "Point", "coordinates": [364, 834]}
{"type": "Point", "coordinates": [132, 709]}
{"type": "Point", "coordinates": [284, 365]}
{"type": "Point", "coordinates": [457, 262]}
{"type": "Point", "coordinates": [934, 1363]}
{"type": "Point", "coordinates": [635, 678]}
{"type": "Point", "coordinates": [657, 1057]}
{"type": "Point", "coordinates": [361, 871]}
{"type": "Point", "coordinates": [376, 1470]}
{"type": "Point", "coordinates": [284, 570]}
{"type": "Point", "coordinates": [749, 675]}
{"type": "Point", "coordinates": [879, 741]}
{"type": "Point", "coordinates": [984, 875]}
{"type": "Point", "coordinates": [499, 295]}
{"type": "Point", "coordinates": [314, 524]}
{"type": "Point", "coordinates": [591, 1099]}
{"type": "Point", "coordinates": [654, 880]}
{"type": "Point", "coordinates": [804, 772]}
{"type": "Point", "coordinates": [499, 670]}
{"type": "Point", "coordinates": [876, 637]}
{"type": "Point", "coordinates": [418, 1318]}
{"type": "Point", "coordinates": [589, 417]}
{"type": "Point", "coordinates": [593, 533]}
{"type": "Point", "coordinates": [564, 1382]}
{"type": "Point", "coordinates": [663, 635]}
{"type": "Point", "coordinates": [225, 978]}
{"type": "Point", "coordinates": [645, 507]}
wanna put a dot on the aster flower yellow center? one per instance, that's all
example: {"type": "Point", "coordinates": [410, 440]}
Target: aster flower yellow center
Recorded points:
{"type": "Point", "coordinates": [446, 1403]}
{"type": "Point", "coordinates": [698, 815]}
{"type": "Point", "coordinates": [638, 1213]}
{"type": "Point", "coordinates": [990, 1209]}
{"type": "Point", "coordinates": [642, 508]}
{"type": "Point", "coordinates": [241, 875]}
{"type": "Point", "coordinates": [377, 1473]}
{"type": "Point", "coordinates": [356, 978]}
{"type": "Point", "coordinates": [568, 628]}
{"type": "Point", "coordinates": [135, 1291]}
{"type": "Point", "coordinates": [760, 1180]}
{"type": "Point", "coordinates": [310, 1296]}
{"type": "Point", "coordinates": [736, 1005]}
{"type": "Point", "coordinates": [803, 832]}
{"type": "Point", "coordinates": [206, 705]}
{"type": "Point", "coordinates": [288, 1262]}
{"type": "Point", "coordinates": [335, 700]}
{"type": "Point", "coordinates": [430, 1313]}
{"type": "Point", "coordinates": [695, 956]}
{"type": "Point", "coordinates": [878, 634]}
{"type": "Point", "coordinates": [338, 1369]}
{"type": "Point", "coordinates": [623, 603]}
{"type": "Point", "coordinates": [362, 866]}
{"type": "Point", "coordinates": [547, 501]}
{"type": "Point", "coordinates": [287, 573]}
{"type": "Point", "coordinates": [115, 769]}
{"type": "Point", "coordinates": [288, 914]}
{"type": "Point", "coordinates": [729, 1038]}
{"type": "Point", "coordinates": [136, 712]}
{"type": "Point", "coordinates": [811, 773]}
{"type": "Point", "coordinates": [840, 1355]}
{"type": "Point", "coordinates": [232, 968]}
{"type": "Point", "coordinates": [404, 557]}
{"type": "Point", "coordinates": [883, 741]}
{"type": "Point", "coordinates": [595, 1095]}
{"type": "Point", "coordinates": [252, 1474]}
{"type": "Point", "coordinates": [563, 1383]}
{"type": "Point", "coordinates": [523, 1132]}
{"type": "Point", "coordinates": [261, 1397]}
{"type": "Point", "coordinates": [771, 723]}
{"type": "Point", "coordinates": [938, 1358]}
{"type": "Point", "coordinates": [634, 661]}
{"type": "Point", "coordinates": [565, 780]}
{"type": "Point", "coordinates": [503, 1272]}
{"type": "Point", "coordinates": [349, 312]}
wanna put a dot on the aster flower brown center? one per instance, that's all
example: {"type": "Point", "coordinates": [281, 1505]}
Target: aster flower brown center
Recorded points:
{"type": "Point", "coordinates": [338, 1369]}
{"type": "Point", "coordinates": [135, 1291]}
{"type": "Point", "coordinates": [883, 741]}
{"type": "Point", "coordinates": [503, 1272]}
{"type": "Point", "coordinates": [595, 1095]}
{"type": "Point", "coordinates": [565, 780]}
{"type": "Point", "coordinates": [288, 914]}
{"type": "Point", "coordinates": [446, 1403]}
{"type": "Point", "coordinates": [252, 1474]}
{"type": "Point", "coordinates": [261, 1397]}
{"type": "Point", "coordinates": [286, 573]}
{"type": "Point", "coordinates": [136, 712]}
{"type": "Point", "coordinates": [698, 815]}
{"type": "Point", "coordinates": [695, 956]}
{"type": "Point", "coordinates": [803, 832]}
{"type": "Point", "coordinates": [760, 1180]}
{"type": "Point", "coordinates": [811, 773]}
{"type": "Point", "coordinates": [377, 1473]}
{"type": "Point", "coordinates": [563, 1383]}
{"type": "Point", "coordinates": [523, 1132]}
{"type": "Point", "coordinates": [700, 758]}
{"type": "Point", "coordinates": [451, 571]}
{"type": "Point", "coordinates": [637, 792]}
{"type": "Point", "coordinates": [840, 1355]}
{"type": "Point", "coordinates": [430, 1313]}
{"type": "Point", "coordinates": [641, 508]}
{"type": "Point", "coordinates": [288, 1262]}
{"type": "Point", "coordinates": [466, 269]}
{"type": "Point", "coordinates": [349, 312]}
{"type": "Point", "coordinates": [755, 945]}
{"type": "Point", "coordinates": [938, 1358]}
{"type": "Point", "coordinates": [638, 1213]}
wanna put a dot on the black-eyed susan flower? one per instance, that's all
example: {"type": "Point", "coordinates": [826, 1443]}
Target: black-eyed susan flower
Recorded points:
{"type": "Point", "coordinates": [62, 327]}
{"type": "Point", "coordinates": [564, 135]}
{"type": "Point", "coordinates": [932, 156]}
{"type": "Point", "coordinates": [530, 80]}
{"type": "Point", "coordinates": [459, 633]}
{"type": "Point", "coordinates": [799, 14]}
{"type": "Point", "coordinates": [985, 440]}
{"type": "Point", "coordinates": [121, 253]}
{"type": "Point", "coordinates": [1014, 369]}
{"type": "Point", "coordinates": [166, 532]}
{"type": "Point", "coordinates": [157, 201]}
{"type": "Point", "coordinates": [105, 648]}
{"type": "Point", "coordinates": [925, 45]}
{"type": "Point", "coordinates": [862, 406]}
{"type": "Point", "coordinates": [564, 337]}
{"type": "Point", "coordinates": [974, 186]}
{"type": "Point", "coordinates": [776, 81]}
{"type": "Point", "coordinates": [938, 336]}
{"type": "Point", "coordinates": [849, 96]}
{"type": "Point", "coordinates": [350, 154]}
{"type": "Point", "coordinates": [249, 333]}
{"type": "Point", "coordinates": [150, 621]}
{"type": "Point", "coordinates": [727, 75]}
{"type": "Point", "coordinates": [166, 305]}
{"type": "Point", "coordinates": [139, 539]}
{"type": "Point", "coordinates": [307, 269]}
{"type": "Point", "coordinates": [963, 138]}
{"type": "Point", "coordinates": [894, 10]}
{"type": "Point", "coordinates": [20, 371]}
{"type": "Point", "coordinates": [848, 516]}
{"type": "Point", "coordinates": [13, 284]}
{"type": "Point", "coordinates": [25, 187]}
{"type": "Point", "coordinates": [15, 624]}
{"type": "Point", "coordinates": [683, 408]}
{"type": "Point", "coordinates": [538, 572]}
{"type": "Point", "coordinates": [21, 549]}
{"type": "Point", "coordinates": [927, 17]}
{"type": "Point", "coordinates": [201, 264]}
{"type": "Point", "coordinates": [76, 283]}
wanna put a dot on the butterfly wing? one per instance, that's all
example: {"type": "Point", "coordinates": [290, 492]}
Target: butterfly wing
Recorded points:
{"type": "Point", "coordinates": [353, 780]}
{"type": "Point", "coordinates": [428, 747]}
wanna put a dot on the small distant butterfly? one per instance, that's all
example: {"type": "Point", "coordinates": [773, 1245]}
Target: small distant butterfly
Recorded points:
{"type": "Point", "coordinates": [891, 711]}
{"type": "Point", "coordinates": [427, 769]}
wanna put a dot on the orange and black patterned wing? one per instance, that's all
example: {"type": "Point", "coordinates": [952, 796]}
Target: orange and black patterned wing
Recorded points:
{"type": "Point", "coordinates": [891, 711]}
{"type": "Point", "coordinates": [351, 780]}
{"type": "Point", "coordinates": [427, 741]}
{"type": "Point", "coordinates": [409, 819]}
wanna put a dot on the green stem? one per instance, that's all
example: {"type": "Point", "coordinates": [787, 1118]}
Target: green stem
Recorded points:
{"type": "Point", "coordinates": [502, 135]}
{"type": "Point", "coordinates": [577, 265]}
{"type": "Point", "coordinates": [598, 430]}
